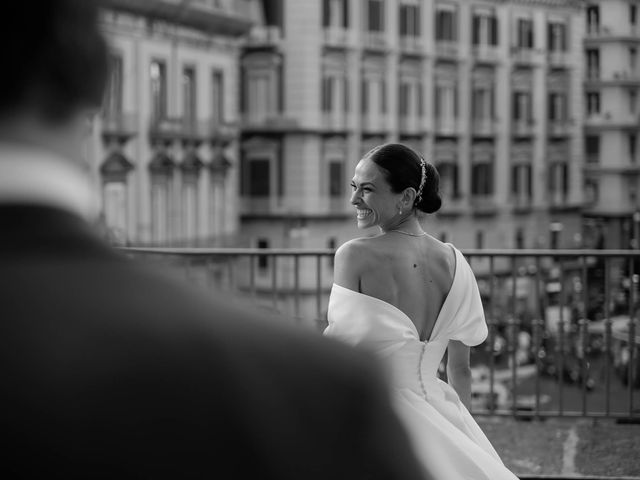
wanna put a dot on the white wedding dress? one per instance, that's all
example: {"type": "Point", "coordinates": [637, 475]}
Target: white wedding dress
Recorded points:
{"type": "Point", "coordinates": [446, 438]}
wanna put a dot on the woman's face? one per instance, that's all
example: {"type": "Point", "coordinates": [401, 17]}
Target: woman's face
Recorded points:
{"type": "Point", "coordinates": [375, 203]}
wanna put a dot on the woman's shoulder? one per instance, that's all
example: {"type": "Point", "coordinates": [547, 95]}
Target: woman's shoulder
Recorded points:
{"type": "Point", "coordinates": [355, 249]}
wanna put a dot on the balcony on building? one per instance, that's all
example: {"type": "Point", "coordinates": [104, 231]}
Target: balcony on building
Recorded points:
{"type": "Point", "coordinates": [269, 122]}
{"type": "Point", "coordinates": [452, 206]}
{"type": "Point", "coordinates": [446, 126]}
{"type": "Point", "coordinates": [523, 56]}
{"type": "Point", "coordinates": [559, 59]}
{"type": "Point", "coordinates": [262, 205]}
{"type": "Point", "coordinates": [483, 127]}
{"type": "Point", "coordinates": [520, 128]}
{"type": "Point", "coordinates": [228, 17]}
{"type": "Point", "coordinates": [521, 203]}
{"type": "Point", "coordinates": [559, 128]}
{"type": "Point", "coordinates": [176, 128]}
{"type": "Point", "coordinates": [483, 204]}
{"type": "Point", "coordinates": [611, 121]}
{"type": "Point", "coordinates": [485, 54]}
{"type": "Point", "coordinates": [410, 125]}
{"type": "Point", "coordinates": [333, 206]}
{"type": "Point", "coordinates": [264, 36]}
{"type": "Point", "coordinates": [447, 49]}
{"type": "Point", "coordinates": [221, 132]}
{"type": "Point", "coordinates": [119, 125]}
{"type": "Point", "coordinates": [335, 121]}
{"type": "Point", "coordinates": [621, 78]}
{"type": "Point", "coordinates": [558, 200]}
{"type": "Point", "coordinates": [375, 41]}
{"type": "Point", "coordinates": [411, 45]}
{"type": "Point", "coordinates": [337, 37]}
{"type": "Point", "coordinates": [596, 34]}
{"type": "Point", "coordinates": [374, 124]}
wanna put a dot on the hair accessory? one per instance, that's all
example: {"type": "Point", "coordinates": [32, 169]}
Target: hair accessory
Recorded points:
{"type": "Point", "coordinates": [423, 179]}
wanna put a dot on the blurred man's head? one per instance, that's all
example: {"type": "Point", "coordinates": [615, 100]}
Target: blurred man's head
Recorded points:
{"type": "Point", "coordinates": [54, 62]}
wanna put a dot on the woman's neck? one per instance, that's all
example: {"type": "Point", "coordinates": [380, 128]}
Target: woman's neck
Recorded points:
{"type": "Point", "coordinates": [408, 224]}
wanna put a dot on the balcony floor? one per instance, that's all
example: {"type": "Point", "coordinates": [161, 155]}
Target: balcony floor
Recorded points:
{"type": "Point", "coordinates": [548, 449]}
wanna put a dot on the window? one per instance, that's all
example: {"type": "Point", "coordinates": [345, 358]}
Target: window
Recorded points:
{"type": "Point", "coordinates": [592, 148]}
{"type": "Point", "coordinates": [115, 210]}
{"type": "Point", "coordinates": [633, 98]}
{"type": "Point", "coordinates": [525, 33]}
{"type": "Point", "coordinates": [113, 100]}
{"type": "Point", "coordinates": [482, 179]}
{"type": "Point", "coordinates": [522, 112]}
{"type": "Point", "coordinates": [375, 19]}
{"type": "Point", "coordinates": [335, 13]}
{"type": "Point", "coordinates": [593, 19]}
{"type": "Point", "coordinates": [633, 141]}
{"type": "Point", "coordinates": [556, 37]}
{"type": "Point", "coordinates": [591, 190]}
{"type": "Point", "coordinates": [336, 178]}
{"type": "Point", "coordinates": [364, 96]}
{"type": "Point", "coordinates": [519, 238]}
{"type": "Point", "coordinates": [403, 99]}
{"type": "Point", "coordinates": [259, 176]}
{"type": "Point", "coordinates": [449, 180]}
{"type": "Point", "coordinates": [446, 25]}
{"type": "Point", "coordinates": [593, 103]}
{"type": "Point", "coordinates": [258, 96]}
{"type": "Point", "coordinates": [633, 14]}
{"type": "Point", "coordinates": [217, 97]}
{"type": "Point", "coordinates": [263, 260]}
{"type": "Point", "coordinates": [559, 180]}
{"type": "Point", "coordinates": [160, 208]}
{"type": "Point", "coordinates": [593, 63]}
{"type": "Point", "coordinates": [327, 93]}
{"type": "Point", "coordinates": [479, 239]}
{"type": "Point", "coordinates": [409, 20]}
{"type": "Point", "coordinates": [557, 107]}
{"type": "Point", "coordinates": [446, 102]}
{"type": "Point", "coordinates": [332, 244]}
{"type": "Point", "coordinates": [189, 94]}
{"type": "Point", "coordinates": [633, 59]}
{"type": "Point", "coordinates": [484, 29]}
{"type": "Point", "coordinates": [521, 182]}
{"type": "Point", "coordinates": [158, 74]}
{"type": "Point", "coordinates": [190, 208]}
{"type": "Point", "coordinates": [482, 103]}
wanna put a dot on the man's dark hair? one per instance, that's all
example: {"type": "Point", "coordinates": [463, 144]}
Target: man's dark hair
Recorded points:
{"type": "Point", "coordinates": [54, 57]}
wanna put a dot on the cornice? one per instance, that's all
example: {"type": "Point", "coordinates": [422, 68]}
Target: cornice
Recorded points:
{"type": "Point", "coordinates": [575, 4]}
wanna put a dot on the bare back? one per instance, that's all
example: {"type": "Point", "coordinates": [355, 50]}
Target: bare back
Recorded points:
{"type": "Point", "coordinates": [413, 274]}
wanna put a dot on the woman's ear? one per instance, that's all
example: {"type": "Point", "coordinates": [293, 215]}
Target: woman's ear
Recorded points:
{"type": "Point", "coordinates": [409, 196]}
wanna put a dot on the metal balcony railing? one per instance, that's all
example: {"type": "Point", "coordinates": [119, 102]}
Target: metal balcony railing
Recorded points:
{"type": "Point", "coordinates": [564, 336]}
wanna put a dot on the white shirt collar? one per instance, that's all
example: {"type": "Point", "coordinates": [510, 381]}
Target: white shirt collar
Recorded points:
{"type": "Point", "coordinates": [29, 175]}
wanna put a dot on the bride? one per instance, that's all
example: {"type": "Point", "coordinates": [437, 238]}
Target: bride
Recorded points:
{"type": "Point", "coordinates": [409, 297]}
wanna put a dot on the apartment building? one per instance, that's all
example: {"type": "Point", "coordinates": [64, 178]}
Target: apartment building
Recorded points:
{"type": "Point", "coordinates": [164, 154]}
{"type": "Point", "coordinates": [612, 120]}
{"type": "Point", "coordinates": [487, 90]}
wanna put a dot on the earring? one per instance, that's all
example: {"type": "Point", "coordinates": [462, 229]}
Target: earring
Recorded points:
{"type": "Point", "coordinates": [399, 211]}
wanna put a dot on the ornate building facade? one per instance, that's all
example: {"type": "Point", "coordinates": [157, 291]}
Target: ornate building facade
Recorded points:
{"type": "Point", "coordinates": [165, 148]}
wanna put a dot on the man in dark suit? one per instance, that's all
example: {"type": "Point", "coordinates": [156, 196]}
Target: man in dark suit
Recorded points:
{"type": "Point", "coordinates": [109, 371]}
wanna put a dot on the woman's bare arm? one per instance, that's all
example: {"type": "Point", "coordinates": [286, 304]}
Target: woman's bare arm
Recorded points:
{"type": "Point", "coordinates": [459, 370]}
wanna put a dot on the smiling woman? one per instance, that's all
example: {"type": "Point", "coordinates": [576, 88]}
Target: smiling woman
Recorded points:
{"type": "Point", "coordinates": [390, 183]}
{"type": "Point", "coordinates": [409, 298]}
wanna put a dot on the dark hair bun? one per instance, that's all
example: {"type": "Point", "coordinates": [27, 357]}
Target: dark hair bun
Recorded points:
{"type": "Point", "coordinates": [431, 200]}
{"type": "Point", "coordinates": [402, 168]}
